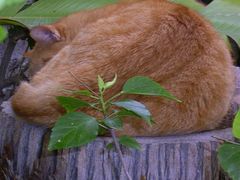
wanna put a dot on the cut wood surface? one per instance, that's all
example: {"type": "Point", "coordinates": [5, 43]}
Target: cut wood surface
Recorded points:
{"type": "Point", "coordinates": [24, 155]}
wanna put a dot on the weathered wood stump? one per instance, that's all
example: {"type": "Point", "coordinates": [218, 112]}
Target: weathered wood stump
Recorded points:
{"type": "Point", "coordinates": [24, 154]}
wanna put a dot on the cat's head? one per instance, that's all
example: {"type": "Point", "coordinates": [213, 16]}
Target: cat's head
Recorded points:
{"type": "Point", "coordinates": [50, 39]}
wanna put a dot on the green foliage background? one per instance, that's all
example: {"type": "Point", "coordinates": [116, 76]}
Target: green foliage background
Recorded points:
{"type": "Point", "coordinates": [224, 14]}
{"type": "Point", "coordinates": [3, 5]}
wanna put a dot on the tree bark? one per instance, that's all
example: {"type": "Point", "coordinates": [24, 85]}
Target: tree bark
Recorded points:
{"type": "Point", "coordinates": [24, 155]}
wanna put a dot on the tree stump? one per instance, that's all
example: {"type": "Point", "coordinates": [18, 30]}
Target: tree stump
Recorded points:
{"type": "Point", "coordinates": [24, 154]}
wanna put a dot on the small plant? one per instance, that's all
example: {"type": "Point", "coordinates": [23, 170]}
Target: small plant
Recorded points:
{"type": "Point", "coordinates": [77, 128]}
{"type": "Point", "coordinates": [3, 4]}
{"type": "Point", "coordinates": [229, 152]}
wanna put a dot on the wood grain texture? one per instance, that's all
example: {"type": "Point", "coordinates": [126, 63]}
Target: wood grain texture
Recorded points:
{"type": "Point", "coordinates": [12, 64]}
{"type": "Point", "coordinates": [24, 155]}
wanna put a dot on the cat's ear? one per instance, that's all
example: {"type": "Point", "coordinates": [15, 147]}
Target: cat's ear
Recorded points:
{"type": "Point", "coordinates": [46, 34]}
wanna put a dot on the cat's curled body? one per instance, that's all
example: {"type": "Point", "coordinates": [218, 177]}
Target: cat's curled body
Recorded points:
{"type": "Point", "coordinates": [167, 42]}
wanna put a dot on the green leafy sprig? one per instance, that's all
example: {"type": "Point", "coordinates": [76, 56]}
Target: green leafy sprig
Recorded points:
{"type": "Point", "coordinates": [76, 128]}
{"type": "Point", "coordinates": [229, 152]}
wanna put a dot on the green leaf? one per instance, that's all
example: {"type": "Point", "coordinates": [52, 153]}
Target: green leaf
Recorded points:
{"type": "Point", "coordinates": [49, 11]}
{"type": "Point", "coordinates": [136, 107]}
{"type": "Point", "coordinates": [6, 4]}
{"type": "Point", "coordinates": [101, 84]}
{"type": "Point", "coordinates": [125, 113]}
{"type": "Point", "coordinates": [236, 125]}
{"type": "Point", "coordinates": [224, 14]}
{"type": "Point", "coordinates": [129, 142]}
{"type": "Point", "coordinates": [229, 157]}
{"type": "Point", "coordinates": [190, 3]}
{"type": "Point", "coordinates": [71, 104]}
{"type": "Point", "coordinates": [115, 123]}
{"type": "Point", "coordinates": [111, 83]}
{"type": "Point", "coordinates": [9, 9]}
{"type": "Point", "coordinates": [3, 34]}
{"type": "Point", "coordinates": [73, 130]}
{"type": "Point", "coordinates": [145, 86]}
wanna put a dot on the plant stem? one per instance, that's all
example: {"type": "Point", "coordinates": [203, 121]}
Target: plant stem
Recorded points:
{"type": "Point", "coordinates": [94, 97]}
{"type": "Point", "coordinates": [96, 108]}
{"type": "Point", "coordinates": [103, 105]}
{"type": "Point", "coordinates": [105, 127]}
{"type": "Point", "coordinates": [83, 84]}
{"type": "Point", "coordinates": [111, 114]}
{"type": "Point", "coordinates": [116, 143]}
{"type": "Point", "coordinates": [104, 111]}
{"type": "Point", "coordinates": [115, 96]}
{"type": "Point", "coordinates": [225, 140]}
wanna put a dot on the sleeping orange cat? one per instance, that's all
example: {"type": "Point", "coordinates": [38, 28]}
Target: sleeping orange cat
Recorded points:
{"type": "Point", "coordinates": [167, 42]}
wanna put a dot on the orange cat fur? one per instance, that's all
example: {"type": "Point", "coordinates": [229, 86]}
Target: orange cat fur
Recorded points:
{"type": "Point", "coordinates": [167, 42]}
{"type": "Point", "coordinates": [49, 46]}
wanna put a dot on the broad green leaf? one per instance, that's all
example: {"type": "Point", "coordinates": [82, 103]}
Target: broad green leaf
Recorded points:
{"type": "Point", "coordinates": [9, 9]}
{"type": "Point", "coordinates": [229, 157]}
{"type": "Point", "coordinates": [236, 125]}
{"type": "Point", "coordinates": [71, 104]}
{"type": "Point", "coordinates": [224, 14]}
{"type": "Point", "coordinates": [136, 107]}
{"type": "Point", "coordinates": [13, 5]}
{"type": "Point", "coordinates": [129, 142]}
{"type": "Point", "coordinates": [3, 34]}
{"type": "Point", "coordinates": [115, 122]}
{"type": "Point", "coordinates": [73, 130]}
{"type": "Point", "coordinates": [145, 86]}
{"type": "Point", "coordinates": [125, 113]}
{"type": "Point", "coordinates": [9, 21]}
{"type": "Point", "coordinates": [190, 3]}
{"type": "Point", "coordinates": [48, 11]}
{"type": "Point", "coordinates": [8, 12]}
{"type": "Point", "coordinates": [111, 83]}
{"type": "Point", "coordinates": [101, 84]}
{"type": "Point", "coordinates": [4, 3]}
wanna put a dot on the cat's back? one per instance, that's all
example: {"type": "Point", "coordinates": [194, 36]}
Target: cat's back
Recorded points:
{"type": "Point", "coordinates": [171, 44]}
{"type": "Point", "coordinates": [167, 42]}
{"type": "Point", "coordinates": [166, 28]}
